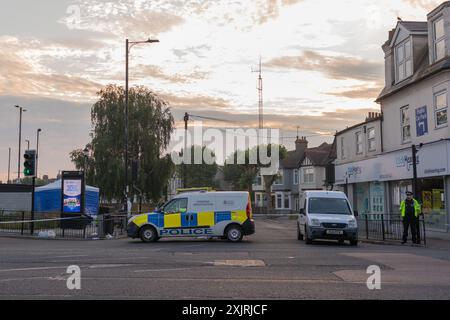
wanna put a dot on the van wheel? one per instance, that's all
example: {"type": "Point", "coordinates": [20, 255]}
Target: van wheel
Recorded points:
{"type": "Point", "coordinates": [353, 242]}
{"type": "Point", "coordinates": [306, 237]}
{"type": "Point", "coordinates": [234, 233]}
{"type": "Point", "coordinates": [148, 234]}
{"type": "Point", "coordinates": [299, 234]}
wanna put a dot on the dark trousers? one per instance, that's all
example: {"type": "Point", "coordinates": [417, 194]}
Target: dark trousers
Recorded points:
{"type": "Point", "coordinates": [413, 223]}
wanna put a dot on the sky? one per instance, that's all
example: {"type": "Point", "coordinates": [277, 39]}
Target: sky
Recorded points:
{"type": "Point", "coordinates": [322, 64]}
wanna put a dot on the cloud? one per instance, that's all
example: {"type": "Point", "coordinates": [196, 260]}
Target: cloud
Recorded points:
{"type": "Point", "coordinates": [18, 77]}
{"type": "Point", "coordinates": [358, 92]}
{"type": "Point", "coordinates": [271, 9]}
{"type": "Point", "coordinates": [196, 102]}
{"type": "Point", "coordinates": [425, 4]}
{"type": "Point", "coordinates": [124, 18]}
{"type": "Point", "coordinates": [157, 72]}
{"type": "Point", "coordinates": [335, 67]}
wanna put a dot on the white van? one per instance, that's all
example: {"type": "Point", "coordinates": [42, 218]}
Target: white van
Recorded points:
{"type": "Point", "coordinates": [326, 215]}
{"type": "Point", "coordinates": [194, 214]}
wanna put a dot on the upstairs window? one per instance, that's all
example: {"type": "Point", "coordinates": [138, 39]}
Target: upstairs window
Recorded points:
{"type": "Point", "coordinates": [295, 176]}
{"type": "Point", "coordinates": [404, 60]}
{"type": "Point", "coordinates": [308, 175]}
{"type": "Point", "coordinates": [279, 178]}
{"type": "Point", "coordinates": [440, 109]}
{"type": "Point", "coordinates": [439, 39]}
{"type": "Point", "coordinates": [371, 139]}
{"type": "Point", "coordinates": [342, 148]}
{"type": "Point", "coordinates": [405, 124]}
{"type": "Point", "coordinates": [359, 143]}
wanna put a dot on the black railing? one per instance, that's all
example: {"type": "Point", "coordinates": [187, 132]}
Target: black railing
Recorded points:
{"type": "Point", "coordinates": [54, 225]}
{"type": "Point", "coordinates": [387, 227]}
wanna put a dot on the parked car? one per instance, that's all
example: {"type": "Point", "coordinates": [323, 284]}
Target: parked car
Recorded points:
{"type": "Point", "coordinates": [326, 215]}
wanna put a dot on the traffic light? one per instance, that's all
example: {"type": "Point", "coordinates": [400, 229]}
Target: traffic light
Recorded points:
{"type": "Point", "coordinates": [30, 163]}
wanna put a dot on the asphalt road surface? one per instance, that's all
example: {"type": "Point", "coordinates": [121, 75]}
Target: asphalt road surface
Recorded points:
{"type": "Point", "coordinates": [272, 264]}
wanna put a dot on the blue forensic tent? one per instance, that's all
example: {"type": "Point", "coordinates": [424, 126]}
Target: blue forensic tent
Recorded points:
{"type": "Point", "coordinates": [48, 198]}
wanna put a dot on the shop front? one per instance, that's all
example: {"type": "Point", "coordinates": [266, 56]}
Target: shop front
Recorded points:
{"type": "Point", "coordinates": [378, 185]}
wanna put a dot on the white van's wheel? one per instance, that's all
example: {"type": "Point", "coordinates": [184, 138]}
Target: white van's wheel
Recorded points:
{"type": "Point", "coordinates": [148, 234]}
{"type": "Point", "coordinates": [306, 237]}
{"type": "Point", "coordinates": [234, 233]}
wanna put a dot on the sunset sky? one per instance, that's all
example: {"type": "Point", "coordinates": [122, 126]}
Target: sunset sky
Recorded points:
{"type": "Point", "coordinates": [322, 64]}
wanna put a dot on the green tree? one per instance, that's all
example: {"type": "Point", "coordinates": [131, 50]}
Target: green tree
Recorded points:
{"type": "Point", "coordinates": [242, 176]}
{"type": "Point", "coordinates": [150, 126]}
{"type": "Point", "coordinates": [199, 175]}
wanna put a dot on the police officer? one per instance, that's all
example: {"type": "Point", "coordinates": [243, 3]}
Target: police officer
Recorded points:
{"type": "Point", "coordinates": [409, 211]}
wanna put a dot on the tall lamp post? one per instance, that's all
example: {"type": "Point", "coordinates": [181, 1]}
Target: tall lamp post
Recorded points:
{"type": "Point", "coordinates": [128, 46]}
{"type": "Point", "coordinates": [37, 151]}
{"type": "Point", "coordinates": [21, 110]}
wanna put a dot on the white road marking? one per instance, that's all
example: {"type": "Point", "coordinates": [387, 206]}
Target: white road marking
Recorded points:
{"type": "Point", "coordinates": [31, 269]}
{"type": "Point", "coordinates": [240, 263]}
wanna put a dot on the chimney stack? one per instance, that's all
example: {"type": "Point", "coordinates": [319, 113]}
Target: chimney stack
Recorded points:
{"type": "Point", "coordinates": [301, 143]}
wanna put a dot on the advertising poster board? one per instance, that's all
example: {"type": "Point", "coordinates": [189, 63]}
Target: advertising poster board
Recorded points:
{"type": "Point", "coordinates": [72, 192]}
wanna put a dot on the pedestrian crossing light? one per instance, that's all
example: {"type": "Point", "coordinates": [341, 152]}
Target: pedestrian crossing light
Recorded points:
{"type": "Point", "coordinates": [30, 163]}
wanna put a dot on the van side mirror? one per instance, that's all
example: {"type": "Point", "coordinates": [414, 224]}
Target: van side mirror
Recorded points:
{"type": "Point", "coordinates": [302, 211]}
{"type": "Point", "coordinates": [355, 213]}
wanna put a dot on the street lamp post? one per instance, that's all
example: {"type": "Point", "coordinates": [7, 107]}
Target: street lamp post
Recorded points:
{"type": "Point", "coordinates": [20, 139]}
{"type": "Point", "coordinates": [9, 163]}
{"type": "Point", "coordinates": [37, 151]}
{"type": "Point", "coordinates": [128, 46]}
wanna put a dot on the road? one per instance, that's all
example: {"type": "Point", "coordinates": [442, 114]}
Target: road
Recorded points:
{"type": "Point", "coordinates": [272, 264]}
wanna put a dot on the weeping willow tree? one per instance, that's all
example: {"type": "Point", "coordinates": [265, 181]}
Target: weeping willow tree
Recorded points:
{"type": "Point", "coordinates": [150, 126]}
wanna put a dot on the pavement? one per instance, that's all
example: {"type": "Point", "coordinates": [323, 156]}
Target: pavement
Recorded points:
{"type": "Point", "coordinates": [272, 264]}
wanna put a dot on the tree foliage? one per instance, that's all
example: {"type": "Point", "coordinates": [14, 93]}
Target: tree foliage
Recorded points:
{"type": "Point", "coordinates": [199, 175]}
{"type": "Point", "coordinates": [242, 176]}
{"type": "Point", "coordinates": [150, 126]}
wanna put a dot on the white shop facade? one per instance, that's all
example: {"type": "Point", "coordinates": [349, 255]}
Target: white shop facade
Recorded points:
{"type": "Point", "coordinates": [377, 185]}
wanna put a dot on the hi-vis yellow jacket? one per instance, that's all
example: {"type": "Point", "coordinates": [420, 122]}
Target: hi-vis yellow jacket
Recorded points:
{"type": "Point", "coordinates": [416, 208]}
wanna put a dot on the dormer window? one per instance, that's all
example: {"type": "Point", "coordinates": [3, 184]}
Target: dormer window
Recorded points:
{"type": "Point", "coordinates": [404, 60]}
{"type": "Point", "coordinates": [439, 39]}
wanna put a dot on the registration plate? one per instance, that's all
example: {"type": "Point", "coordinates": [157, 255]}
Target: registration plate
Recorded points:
{"type": "Point", "coordinates": [335, 232]}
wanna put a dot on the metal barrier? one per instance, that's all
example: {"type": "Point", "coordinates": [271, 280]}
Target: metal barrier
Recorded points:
{"type": "Point", "coordinates": [52, 225]}
{"type": "Point", "coordinates": [387, 227]}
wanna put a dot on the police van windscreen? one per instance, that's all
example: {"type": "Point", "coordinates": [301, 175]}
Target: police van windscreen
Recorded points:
{"type": "Point", "coordinates": [328, 206]}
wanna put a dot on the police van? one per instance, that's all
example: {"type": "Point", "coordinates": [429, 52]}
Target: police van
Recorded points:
{"type": "Point", "coordinates": [226, 215]}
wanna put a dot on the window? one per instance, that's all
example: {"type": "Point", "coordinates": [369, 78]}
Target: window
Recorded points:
{"type": "Point", "coordinates": [439, 39]}
{"type": "Point", "coordinates": [279, 201]}
{"type": "Point", "coordinates": [342, 148]}
{"type": "Point", "coordinates": [371, 139]}
{"type": "Point", "coordinates": [440, 109]}
{"type": "Point", "coordinates": [258, 180]}
{"type": "Point", "coordinates": [176, 205]}
{"type": "Point", "coordinates": [359, 143]}
{"type": "Point", "coordinates": [308, 175]}
{"type": "Point", "coordinates": [279, 178]}
{"type": "Point", "coordinates": [295, 176]}
{"type": "Point", "coordinates": [405, 125]}
{"type": "Point", "coordinates": [287, 202]}
{"type": "Point", "coordinates": [404, 60]}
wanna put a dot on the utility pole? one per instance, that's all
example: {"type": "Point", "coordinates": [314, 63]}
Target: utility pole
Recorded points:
{"type": "Point", "coordinates": [20, 140]}
{"type": "Point", "coordinates": [9, 163]}
{"type": "Point", "coordinates": [260, 99]}
{"type": "Point", "coordinates": [37, 150]}
{"type": "Point", "coordinates": [414, 163]}
{"type": "Point", "coordinates": [185, 153]}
